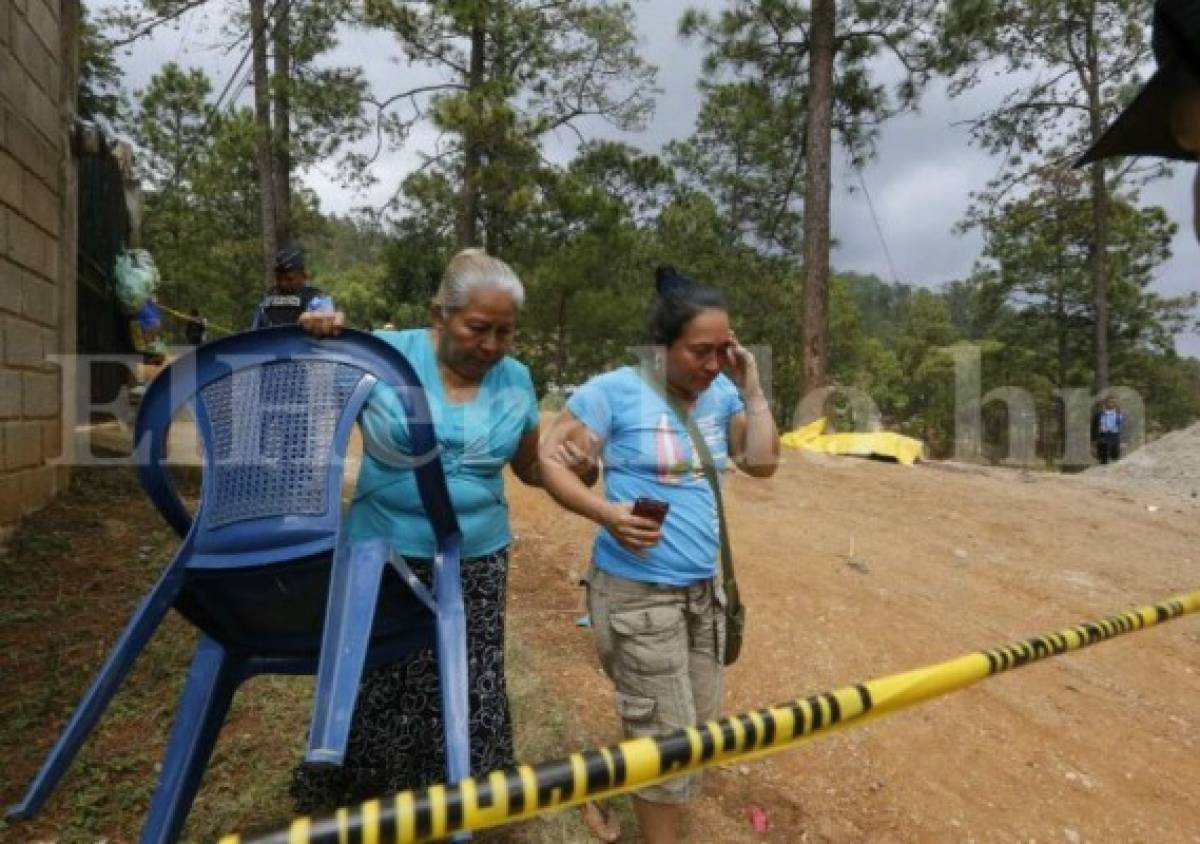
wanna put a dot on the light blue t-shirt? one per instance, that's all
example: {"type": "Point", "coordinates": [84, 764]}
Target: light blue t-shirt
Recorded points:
{"type": "Point", "coordinates": [477, 438]}
{"type": "Point", "coordinates": [647, 452]}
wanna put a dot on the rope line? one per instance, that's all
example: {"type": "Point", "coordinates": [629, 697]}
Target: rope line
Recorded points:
{"type": "Point", "coordinates": [188, 318]}
{"type": "Point", "coordinates": [502, 796]}
{"type": "Point", "coordinates": [887, 253]}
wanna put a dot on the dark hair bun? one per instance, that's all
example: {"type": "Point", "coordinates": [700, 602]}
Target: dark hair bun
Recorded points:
{"type": "Point", "coordinates": [668, 282]}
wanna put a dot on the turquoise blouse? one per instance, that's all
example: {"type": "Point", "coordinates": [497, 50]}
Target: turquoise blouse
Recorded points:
{"type": "Point", "coordinates": [477, 438]}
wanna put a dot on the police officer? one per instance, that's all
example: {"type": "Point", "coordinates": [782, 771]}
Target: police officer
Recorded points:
{"type": "Point", "coordinates": [292, 295]}
{"type": "Point", "coordinates": [1163, 121]}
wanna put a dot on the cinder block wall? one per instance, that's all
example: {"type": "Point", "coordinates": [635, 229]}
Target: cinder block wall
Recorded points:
{"type": "Point", "coordinates": [38, 81]}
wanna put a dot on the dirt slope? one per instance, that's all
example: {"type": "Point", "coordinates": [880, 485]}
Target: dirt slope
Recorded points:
{"type": "Point", "coordinates": [854, 569]}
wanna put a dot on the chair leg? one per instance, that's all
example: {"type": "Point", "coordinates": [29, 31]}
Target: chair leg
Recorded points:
{"type": "Point", "coordinates": [355, 580]}
{"type": "Point", "coordinates": [108, 679]}
{"type": "Point", "coordinates": [452, 666]}
{"type": "Point", "coordinates": [212, 679]}
{"type": "Point", "coordinates": [452, 663]}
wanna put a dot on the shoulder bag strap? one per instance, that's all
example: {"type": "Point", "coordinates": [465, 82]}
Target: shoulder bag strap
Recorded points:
{"type": "Point", "coordinates": [728, 578]}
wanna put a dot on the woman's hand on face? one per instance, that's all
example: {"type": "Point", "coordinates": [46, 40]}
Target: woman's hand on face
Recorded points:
{"type": "Point", "coordinates": [636, 533]}
{"type": "Point", "coordinates": [323, 323]}
{"type": "Point", "coordinates": [743, 368]}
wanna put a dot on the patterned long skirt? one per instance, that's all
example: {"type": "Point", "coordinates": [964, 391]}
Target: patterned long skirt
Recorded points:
{"type": "Point", "coordinates": [396, 736]}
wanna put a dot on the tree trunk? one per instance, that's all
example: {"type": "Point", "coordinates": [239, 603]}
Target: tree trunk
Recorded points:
{"type": "Point", "coordinates": [495, 220]}
{"type": "Point", "coordinates": [281, 88]}
{"type": "Point", "coordinates": [1064, 350]}
{"type": "Point", "coordinates": [262, 136]}
{"type": "Point", "coordinates": [1098, 250]}
{"type": "Point", "coordinates": [815, 319]}
{"type": "Point", "coordinates": [468, 224]}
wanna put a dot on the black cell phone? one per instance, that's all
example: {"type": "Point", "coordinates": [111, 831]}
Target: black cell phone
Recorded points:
{"type": "Point", "coordinates": [651, 508]}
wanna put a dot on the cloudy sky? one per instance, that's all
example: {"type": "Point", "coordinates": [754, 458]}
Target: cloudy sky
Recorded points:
{"type": "Point", "coordinates": [918, 185]}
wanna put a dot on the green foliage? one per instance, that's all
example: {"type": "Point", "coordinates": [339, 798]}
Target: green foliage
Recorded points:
{"type": "Point", "coordinates": [768, 43]}
{"type": "Point", "coordinates": [586, 260]}
{"type": "Point", "coordinates": [1033, 287]}
{"type": "Point", "coordinates": [1079, 60]}
{"type": "Point", "coordinates": [511, 73]}
{"type": "Point", "coordinates": [201, 198]}
{"type": "Point", "coordinates": [100, 94]}
{"type": "Point", "coordinates": [747, 154]}
{"type": "Point", "coordinates": [723, 205]}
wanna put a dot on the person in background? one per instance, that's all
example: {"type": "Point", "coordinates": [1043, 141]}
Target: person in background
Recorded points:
{"type": "Point", "coordinates": [1163, 121]}
{"type": "Point", "coordinates": [1107, 426]}
{"type": "Point", "coordinates": [292, 295]}
{"type": "Point", "coordinates": [196, 329]}
{"type": "Point", "coordinates": [654, 592]}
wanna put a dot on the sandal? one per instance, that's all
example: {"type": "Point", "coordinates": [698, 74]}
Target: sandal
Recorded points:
{"type": "Point", "coordinates": [600, 820]}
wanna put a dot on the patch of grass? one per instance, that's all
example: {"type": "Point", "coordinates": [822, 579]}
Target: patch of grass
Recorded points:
{"type": "Point", "coordinates": [89, 482]}
{"type": "Point", "coordinates": [36, 544]}
{"type": "Point", "coordinates": [68, 584]}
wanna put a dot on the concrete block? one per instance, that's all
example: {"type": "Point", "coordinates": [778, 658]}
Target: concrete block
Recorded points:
{"type": "Point", "coordinates": [30, 148]}
{"type": "Point", "coordinates": [12, 283]}
{"type": "Point", "coordinates": [40, 203]}
{"type": "Point", "coordinates": [39, 300]}
{"type": "Point", "coordinates": [14, 82]}
{"type": "Point", "coordinates": [44, 22]}
{"type": "Point", "coordinates": [50, 261]}
{"type": "Point", "coordinates": [52, 445]}
{"type": "Point", "coordinates": [32, 53]}
{"type": "Point", "coordinates": [54, 81]}
{"type": "Point", "coordinates": [23, 343]}
{"type": "Point", "coordinates": [39, 394]}
{"type": "Point", "coordinates": [50, 347]}
{"type": "Point", "coordinates": [45, 115]}
{"type": "Point", "coordinates": [10, 394]}
{"type": "Point", "coordinates": [27, 243]}
{"type": "Point", "coordinates": [38, 486]}
{"type": "Point", "coordinates": [10, 180]}
{"type": "Point", "coordinates": [10, 499]}
{"type": "Point", "coordinates": [22, 445]}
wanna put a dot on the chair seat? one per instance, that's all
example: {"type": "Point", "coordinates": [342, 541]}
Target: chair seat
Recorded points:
{"type": "Point", "coordinates": [279, 609]}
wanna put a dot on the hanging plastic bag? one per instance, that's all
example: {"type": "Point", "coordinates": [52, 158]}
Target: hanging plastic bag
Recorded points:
{"type": "Point", "coordinates": [137, 279]}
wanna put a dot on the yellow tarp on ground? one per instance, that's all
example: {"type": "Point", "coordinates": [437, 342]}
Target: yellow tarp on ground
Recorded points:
{"type": "Point", "coordinates": [812, 436]}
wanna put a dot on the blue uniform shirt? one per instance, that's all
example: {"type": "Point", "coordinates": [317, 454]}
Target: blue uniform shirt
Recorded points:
{"type": "Point", "coordinates": [647, 452]}
{"type": "Point", "coordinates": [278, 308]}
{"type": "Point", "coordinates": [1110, 421]}
{"type": "Point", "coordinates": [477, 438]}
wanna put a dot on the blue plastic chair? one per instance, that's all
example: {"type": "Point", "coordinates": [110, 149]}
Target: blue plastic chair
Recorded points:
{"type": "Point", "coordinates": [263, 570]}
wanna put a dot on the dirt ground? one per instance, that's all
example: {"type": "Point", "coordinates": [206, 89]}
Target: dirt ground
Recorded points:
{"type": "Point", "coordinates": [851, 569]}
{"type": "Point", "coordinates": [854, 569]}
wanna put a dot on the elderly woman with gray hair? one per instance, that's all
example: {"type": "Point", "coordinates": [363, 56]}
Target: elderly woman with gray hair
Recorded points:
{"type": "Point", "coordinates": [486, 415]}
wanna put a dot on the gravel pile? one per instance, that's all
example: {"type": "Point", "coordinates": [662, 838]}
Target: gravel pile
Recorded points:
{"type": "Point", "coordinates": [1168, 466]}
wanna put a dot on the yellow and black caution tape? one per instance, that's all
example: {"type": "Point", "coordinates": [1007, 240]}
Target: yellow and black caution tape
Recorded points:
{"type": "Point", "coordinates": [504, 796]}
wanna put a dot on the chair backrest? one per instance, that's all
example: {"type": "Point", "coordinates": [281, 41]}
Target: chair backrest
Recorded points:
{"type": "Point", "coordinates": [274, 410]}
